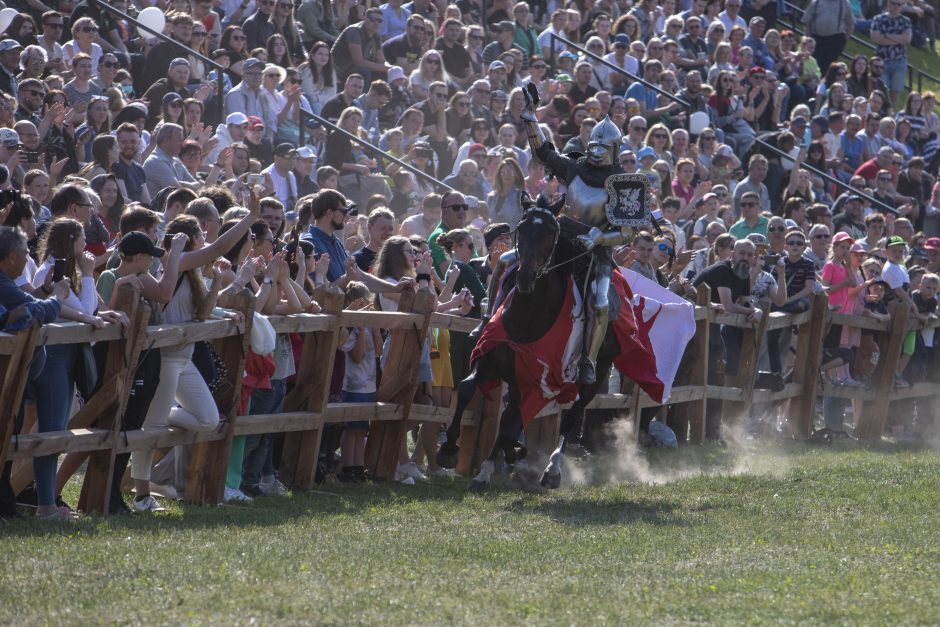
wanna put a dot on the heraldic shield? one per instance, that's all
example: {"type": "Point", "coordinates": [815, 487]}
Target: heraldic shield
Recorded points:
{"type": "Point", "coordinates": [628, 200]}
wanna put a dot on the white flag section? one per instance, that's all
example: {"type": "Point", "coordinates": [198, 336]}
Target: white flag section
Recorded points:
{"type": "Point", "coordinates": [665, 324]}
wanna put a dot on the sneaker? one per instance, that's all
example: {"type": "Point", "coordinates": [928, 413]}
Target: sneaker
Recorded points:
{"type": "Point", "coordinates": [404, 480]}
{"type": "Point", "coordinates": [236, 495]}
{"type": "Point", "coordinates": [166, 491]}
{"type": "Point", "coordinates": [447, 473]}
{"type": "Point", "coordinates": [148, 505]}
{"type": "Point", "coordinates": [272, 487]}
{"type": "Point", "coordinates": [852, 383]}
{"type": "Point", "coordinates": [900, 383]}
{"type": "Point", "coordinates": [411, 470]}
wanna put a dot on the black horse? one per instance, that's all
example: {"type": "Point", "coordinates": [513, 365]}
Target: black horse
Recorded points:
{"type": "Point", "coordinates": [547, 258]}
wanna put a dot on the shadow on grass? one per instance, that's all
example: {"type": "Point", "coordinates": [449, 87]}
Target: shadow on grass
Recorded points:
{"type": "Point", "coordinates": [622, 510]}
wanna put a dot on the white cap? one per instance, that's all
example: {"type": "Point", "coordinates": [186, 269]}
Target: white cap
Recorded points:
{"type": "Point", "coordinates": [306, 152]}
{"type": "Point", "coordinates": [236, 118]}
{"type": "Point", "coordinates": [9, 136]}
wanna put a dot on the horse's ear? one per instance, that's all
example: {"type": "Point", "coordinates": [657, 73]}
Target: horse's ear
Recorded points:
{"type": "Point", "coordinates": [526, 201]}
{"type": "Point", "coordinates": [558, 206]}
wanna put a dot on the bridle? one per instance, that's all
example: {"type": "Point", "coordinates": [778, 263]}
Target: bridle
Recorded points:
{"type": "Point", "coordinates": [546, 266]}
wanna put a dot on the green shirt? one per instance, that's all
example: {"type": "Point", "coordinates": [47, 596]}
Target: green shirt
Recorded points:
{"type": "Point", "coordinates": [740, 229]}
{"type": "Point", "coordinates": [105, 285]}
{"type": "Point", "coordinates": [438, 254]}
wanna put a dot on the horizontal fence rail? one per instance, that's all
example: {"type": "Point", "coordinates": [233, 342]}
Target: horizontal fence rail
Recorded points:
{"type": "Point", "coordinates": [96, 430]}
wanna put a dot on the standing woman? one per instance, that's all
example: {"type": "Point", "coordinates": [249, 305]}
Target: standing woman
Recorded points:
{"type": "Point", "coordinates": [53, 391]}
{"type": "Point", "coordinates": [182, 398]}
{"type": "Point", "coordinates": [504, 202]}
{"type": "Point", "coordinates": [97, 122]}
{"type": "Point", "coordinates": [84, 34]}
{"type": "Point", "coordinates": [283, 18]}
{"type": "Point", "coordinates": [233, 40]}
{"type": "Point", "coordinates": [317, 78]}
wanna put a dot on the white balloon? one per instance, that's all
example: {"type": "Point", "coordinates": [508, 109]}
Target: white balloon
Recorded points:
{"type": "Point", "coordinates": [6, 16]}
{"type": "Point", "coordinates": [698, 122]}
{"type": "Point", "coordinates": [152, 17]}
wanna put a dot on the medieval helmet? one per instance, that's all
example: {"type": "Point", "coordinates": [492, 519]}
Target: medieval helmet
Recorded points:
{"type": "Point", "coordinates": [604, 143]}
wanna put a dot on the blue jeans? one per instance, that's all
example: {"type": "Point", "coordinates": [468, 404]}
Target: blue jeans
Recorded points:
{"type": "Point", "coordinates": [895, 74]}
{"type": "Point", "coordinates": [258, 447]}
{"type": "Point", "coordinates": [53, 391]}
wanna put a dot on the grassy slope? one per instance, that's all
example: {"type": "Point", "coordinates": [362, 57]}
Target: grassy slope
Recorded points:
{"type": "Point", "coordinates": [791, 536]}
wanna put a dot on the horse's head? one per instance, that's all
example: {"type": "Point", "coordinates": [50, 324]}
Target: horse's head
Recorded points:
{"type": "Point", "coordinates": [536, 236]}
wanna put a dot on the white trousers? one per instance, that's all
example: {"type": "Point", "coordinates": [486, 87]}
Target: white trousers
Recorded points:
{"type": "Point", "coordinates": [182, 400]}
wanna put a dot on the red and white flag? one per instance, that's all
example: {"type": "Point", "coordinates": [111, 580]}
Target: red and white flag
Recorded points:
{"type": "Point", "coordinates": [665, 322]}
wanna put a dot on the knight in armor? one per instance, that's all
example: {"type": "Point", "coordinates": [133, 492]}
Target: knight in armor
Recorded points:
{"type": "Point", "coordinates": [584, 177]}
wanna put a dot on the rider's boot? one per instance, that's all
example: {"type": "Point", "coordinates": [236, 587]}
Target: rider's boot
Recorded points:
{"type": "Point", "coordinates": [587, 369]}
{"type": "Point", "coordinates": [474, 335]}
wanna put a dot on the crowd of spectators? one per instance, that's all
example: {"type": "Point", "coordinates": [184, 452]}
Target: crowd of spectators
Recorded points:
{"type": "Point", "coordinates": [133, 167]}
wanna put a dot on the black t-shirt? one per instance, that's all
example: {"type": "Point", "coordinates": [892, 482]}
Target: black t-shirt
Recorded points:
{"type": "Point", "coordinates": [398, 47]}
{"type": "Point", "coordinates": [365, 257]}
{"type": "Point", "coordinates": [456, 59]}
{"type": "Point", "coordinates": [720, 274]}
{"type": "Point", "coordinates": [843, 222]}
{"type": "Point", "coordinates": [924, 305]}
{"type": "Point", "coordinates": [334, 107]}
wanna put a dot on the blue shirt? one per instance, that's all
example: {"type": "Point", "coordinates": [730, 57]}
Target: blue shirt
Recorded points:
{"type": "Point", "coordinates": [12, 297]}
{"type": "Point", "coordinates": [852, 149]}
{"type": "Point", "coordinates": [326, 243]}
{"type": "Point", "coordinates": [647, 97]}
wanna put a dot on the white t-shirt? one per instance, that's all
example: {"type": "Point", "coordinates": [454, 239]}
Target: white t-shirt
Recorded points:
{"type": "Point", "coordinates": [87, 303]}
{"type": "Point", "coordinates": [895, 275]}
{"type": "Point", "coordinates": [285, 188]}
{"type": "Point", "coordinates": [359, 376]}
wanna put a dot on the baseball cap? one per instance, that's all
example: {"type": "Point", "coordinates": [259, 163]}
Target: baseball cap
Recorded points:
{"type": "Point", "coordinates": [306, 152]}
{"type": "Point", "coordinates": [503, 26]}
{"type": "Point", "coordinates": [10, 44]}
{"type": "Point", "coordinates": [284, 150]}
{"type": "Point", "coordinates": [644, 153]}
{"type": "Point", "coordinates": [254, 120]}
{"type": "Point", "coordinates": [395, 73]}
{"type": "Point", "coordinates": [800, 120]}
{"type": "Point", "coordinates": [895, 240]}
{"type": "Point", "coordinates": [842, 236]}
{"type": "Point", "coordinates": [858, 247]}
{"type": "Point", "coordinates": [136, 243]}
{"type": "Point", "coordinates": [852, 197]}
{"type": "Point", "coordinates": [475, 148]}
{"type": "Point", "coordinates": [567, 54]}
{"type": "Point", "coordinates": [622, 38]}
{"type": "Point", "coordinates": [251, 62]}
{"type": "Point", "coordinates": [758, 239]}
{"type": "Point", "coordinates": [497, 65]}
{"type": "Point", "coordinates": [563, 78]}
{"type": "Point", "coordinates": [932, 243]}
{"type": "Point", "coordinates": [499, 94]}
{"type": "Point", "coordinates": [9, 136]}
{"type": "Point", "coordinates": [179, 61]}
{"type": "Point", "coordinates": [236, 118]}
{"type": "Point", "coordinates": [171, 97]}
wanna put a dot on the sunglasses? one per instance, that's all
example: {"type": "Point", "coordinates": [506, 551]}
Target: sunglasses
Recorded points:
{"type": "Point", "coordinates": [199, 33]}
{"type": "Point", "coordinates": [476, 37]}
{"type": "Point", "coordinates": [776, 229]}
{"type": "Point", "coordinates": [89, 29]}
{"type": "Point", "coordinates": [666, 248]}
{"type": "Point", "coordinates": [622, 161]}
{"type": "Point", "coordinates": [822, 236]}
{"type": "Point", "coordinates": [539, 66]}
{"type": "Point", "coordinates": [457, 207]}
{"type": "Point", "coordinates": [748, 204]}
{"type": "Point", "coordinates": [376, 20]}
{"type": "Point", "coordinates": [796, 242]}
{"type": "Point", "coordinates": [110, 64]}
{"type": "Point", "coordinates": [708, 138]}
{"type": "Point", "coordinates": [434, 61]}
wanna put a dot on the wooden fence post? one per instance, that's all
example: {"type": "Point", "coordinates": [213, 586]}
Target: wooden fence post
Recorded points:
{"type": "Point", "coordinates": [311, 394]}
{"type": "Point", "coordinates": [478, 434]}
{"type": "Point", "coordinates": [398, 385]}
{"type": "Point", "coordinates": [751, 341]}
{"type": "Point", "coordinates": [106, 408]}
{"type": "Point", "coordinates": [806, 364]}
{"type": "Point", "coordinates": [15, 369]}
{"type": "Point", "coordinates": [871, 421]}
{"type": "Point", "coordinates": [209, 461]}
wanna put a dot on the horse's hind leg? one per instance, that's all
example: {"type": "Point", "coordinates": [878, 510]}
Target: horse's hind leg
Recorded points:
{"type": "Point", "coordinates": [448, 452]}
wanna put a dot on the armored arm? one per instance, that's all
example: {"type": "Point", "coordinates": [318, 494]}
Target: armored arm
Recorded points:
{"type": "Point", "coordinates": [597, 237]}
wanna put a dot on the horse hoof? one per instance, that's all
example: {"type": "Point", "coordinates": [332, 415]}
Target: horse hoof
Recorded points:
{"type": "Point", "coordinates": [552, 482]}
{"type": "Point", "coordinates": [478, 487]}
{"type": "Point", "coordinates": [447, 455]}
{"type": "Point", "coordinates": [516, 453]}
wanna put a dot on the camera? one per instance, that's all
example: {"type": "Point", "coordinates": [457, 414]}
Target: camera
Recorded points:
{"type": "Point", "coordinates": [771, 260]}
{"type": "Point", "coordinates": [9, 195]}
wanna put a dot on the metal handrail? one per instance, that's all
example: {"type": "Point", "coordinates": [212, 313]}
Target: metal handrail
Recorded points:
{"type": "Point", "coordinates": [633, 77]}
{"type": "Point", "coordinates": [424, 175]}
{"type": "Point", "coordinates": [920, 79]}
{"type": "Point", "coordinates": [186, 49]}
{"type": "Point", "coordinates": [827, 177]}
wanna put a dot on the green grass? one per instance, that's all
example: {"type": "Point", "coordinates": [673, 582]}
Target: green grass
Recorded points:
{"type": "Point", "coordinates": [796, 535]}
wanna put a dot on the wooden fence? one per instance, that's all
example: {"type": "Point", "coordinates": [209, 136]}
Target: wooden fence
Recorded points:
{"type": "Point", "coordinates": [96, 428]}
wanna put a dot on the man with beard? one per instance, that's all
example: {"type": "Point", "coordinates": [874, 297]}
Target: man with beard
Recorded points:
{"type": "Point", "coordinates": [405, 50]}
{"type": "Point", "coordinates": [730, 285]}
{"type": "Point", "coordinates": [453, 216]}
{"type": "Point", "coordinates": [127, 169]}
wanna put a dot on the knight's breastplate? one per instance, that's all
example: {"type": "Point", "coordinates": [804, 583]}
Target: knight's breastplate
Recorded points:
{"type": "Point", "coordinates": [586, 203]}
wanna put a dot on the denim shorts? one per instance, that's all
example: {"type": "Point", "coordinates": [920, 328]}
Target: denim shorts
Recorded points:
{"type": "Point", "coordinates": [895, 74]}
{"type": "Point", "coordinates": [357, 397]}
